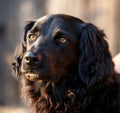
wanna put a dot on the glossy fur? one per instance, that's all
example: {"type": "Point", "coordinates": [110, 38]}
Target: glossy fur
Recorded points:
{"type": "Point", "coordinates": [74, 66]}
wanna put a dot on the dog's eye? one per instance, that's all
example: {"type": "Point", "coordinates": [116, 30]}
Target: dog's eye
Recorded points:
{"type": "Point", "coordinates": [62, 40]}
{"type": "Point", "coordinates": [32, 37]}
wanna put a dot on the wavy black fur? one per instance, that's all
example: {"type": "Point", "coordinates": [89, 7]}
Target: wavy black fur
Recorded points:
{"type": "Point", "coordinates": [89, 85]}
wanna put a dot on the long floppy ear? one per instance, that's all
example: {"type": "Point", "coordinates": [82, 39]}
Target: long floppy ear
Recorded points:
{"type": "Point", "coordinates": [19, 52]}
{"type": "Point", "coordinates": [95, 62]}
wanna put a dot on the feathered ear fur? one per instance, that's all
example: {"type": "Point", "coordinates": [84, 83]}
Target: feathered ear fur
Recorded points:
{"type": "Point", "coordinates": [19, 52]}
{"type": "Point", "coordinates": [95, 62]}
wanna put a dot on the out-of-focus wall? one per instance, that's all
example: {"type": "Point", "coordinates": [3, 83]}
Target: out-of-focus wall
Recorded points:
{"type": "Point", "coordinates": [14, 14]}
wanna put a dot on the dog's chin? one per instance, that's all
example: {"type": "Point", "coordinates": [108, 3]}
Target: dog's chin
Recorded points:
{"type": "Point", "coordinates": [32, 76]}
{"type": "Point", "coordinates": [35, 76]}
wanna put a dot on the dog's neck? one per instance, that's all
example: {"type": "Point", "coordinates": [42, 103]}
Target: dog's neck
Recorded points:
{"type": "Point", "coordinates": [56, 97]}
{"type": "Point", "coordinates": [53, 96]}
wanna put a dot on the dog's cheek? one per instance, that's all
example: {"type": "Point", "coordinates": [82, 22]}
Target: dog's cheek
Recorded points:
{"type": "Point", "coordinates": [71, 56]}
{"type": "Point", "coordinates": [56, 64]}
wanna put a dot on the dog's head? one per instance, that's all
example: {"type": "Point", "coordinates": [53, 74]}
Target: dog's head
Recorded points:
{"type": "Point", "coordinates": [56, 45]}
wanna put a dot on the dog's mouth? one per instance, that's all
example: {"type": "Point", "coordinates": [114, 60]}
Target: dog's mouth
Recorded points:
{"type": "Point", "coordinates": [32, 76]}
{"type": "Point", "coordinates": [36, 76]}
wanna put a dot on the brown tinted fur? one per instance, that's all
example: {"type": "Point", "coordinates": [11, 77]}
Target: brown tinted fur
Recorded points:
{"type": "Point", "coordinates": [74, 66]}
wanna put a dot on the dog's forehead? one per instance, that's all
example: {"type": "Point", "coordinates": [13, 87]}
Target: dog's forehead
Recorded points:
{"type": "Point", "coordinates": [43, 19]}
{"type": "Point", "coordinates": [39, 22]}
{"type": "Point", "coordinates": [57, 20]}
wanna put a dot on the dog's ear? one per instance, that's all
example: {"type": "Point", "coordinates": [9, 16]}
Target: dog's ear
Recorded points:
{"type": "Point", "coordinates": [95, 62]}
{"type": "Point", "coordinates": [19, 52]}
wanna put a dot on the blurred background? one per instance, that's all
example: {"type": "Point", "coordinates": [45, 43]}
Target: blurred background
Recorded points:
{"type": "Point", "coordinates": [13, 16]}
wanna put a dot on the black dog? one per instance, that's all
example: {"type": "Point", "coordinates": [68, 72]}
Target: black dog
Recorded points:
{"type": "Point", "coordinates": [66, 67]}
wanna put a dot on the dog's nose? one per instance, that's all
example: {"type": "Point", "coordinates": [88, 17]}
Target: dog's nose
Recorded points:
{"type": "Point", "coordinates": [31, 58]}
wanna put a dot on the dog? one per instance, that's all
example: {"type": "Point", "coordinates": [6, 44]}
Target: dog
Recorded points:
{"type": "Point", "coordinates": [65, 66]}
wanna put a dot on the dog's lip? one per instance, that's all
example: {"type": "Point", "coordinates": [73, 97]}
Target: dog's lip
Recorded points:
{"type": "Point", "coordinates": [31, 76]}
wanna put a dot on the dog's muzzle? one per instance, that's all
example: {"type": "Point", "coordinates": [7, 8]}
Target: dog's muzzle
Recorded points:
{"type": "Point", "coordinates": [32, 76]}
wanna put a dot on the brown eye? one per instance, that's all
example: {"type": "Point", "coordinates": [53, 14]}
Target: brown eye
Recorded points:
{"type": "Point", "coordinates": [62, 40]}
{"type": "Point", "coordinates": [32, 37]}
